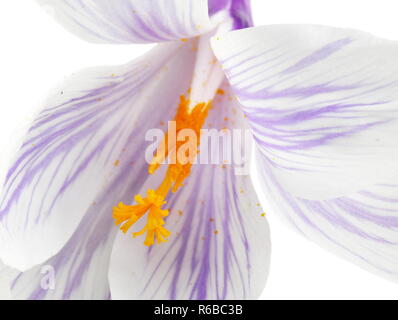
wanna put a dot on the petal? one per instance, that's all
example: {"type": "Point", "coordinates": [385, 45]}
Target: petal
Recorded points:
{"type": "Point", "coordinates": [361, 227]}
{"type": "Point", "coordinates": [219, 247]}
{"type": "Point", "coordinates": [74, 148]}
{"type": "Point", "coordinates": [131, 21]}
{"type": "Point", "coordinates": [218, 5]}
{"type": "Point", "coordinates": [79, 271]}
{"type": "Point", "coordinates": [322, 103]}
{"type": "Point", "coordinates": [6, 275]}
{"type": "Point", "coordinates": [239, 10]}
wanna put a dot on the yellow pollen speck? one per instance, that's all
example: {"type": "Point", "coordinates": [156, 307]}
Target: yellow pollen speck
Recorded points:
{"type": "Point", "coordinates": [263, 214]}
{"type": "Point", "coordinates": [216, 232]}
{"type": "Point", "coordinates": [127, 215]}
{"type": "Point", "coordinates": [184, 40]}
{"type": "Point", "coordinates": [117, 162]}
{"type": "Point", "coordinates": [220, 92]}
{"type": "Point", "coordinates": [180, 213]}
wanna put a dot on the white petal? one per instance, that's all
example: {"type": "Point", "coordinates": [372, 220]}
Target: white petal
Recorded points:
{"type": "Point", "coordinates": [74, 148]}
{"type": "Point", "coordinates": [131, 21]}
{"type": "Point", "coordinates": [322, 103]}
{"type": "Point", "coordinates": [361, 227]}
{"type": "Point", "coordinates": [6, 275]}
{"type": "Point", "coordinates": [80, 270]}
{"type": "Point", "coordinates": [219, 247]}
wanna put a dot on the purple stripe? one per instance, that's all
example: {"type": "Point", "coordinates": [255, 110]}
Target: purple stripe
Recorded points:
{"type": "Point", "coordinates": [319, 55]}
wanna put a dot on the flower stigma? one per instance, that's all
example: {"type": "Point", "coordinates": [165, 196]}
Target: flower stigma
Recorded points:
{"type": "Point", "coordinates": [179, 168]}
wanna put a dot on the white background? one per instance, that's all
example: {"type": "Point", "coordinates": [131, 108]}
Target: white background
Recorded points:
{"type": "Point", "coordinates": [36, 54]}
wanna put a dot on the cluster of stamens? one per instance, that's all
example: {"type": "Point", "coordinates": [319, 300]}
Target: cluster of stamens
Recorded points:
{"type": "Point", "coordinates": [177, 172]}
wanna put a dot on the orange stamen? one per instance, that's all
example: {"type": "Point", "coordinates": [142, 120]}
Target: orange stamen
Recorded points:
{"type": "Point", "coordinates": [177, 171]}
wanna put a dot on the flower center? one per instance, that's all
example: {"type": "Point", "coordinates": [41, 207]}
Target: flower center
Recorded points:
{"type": "Point", "coordinates": [181, 156]}
{"type": "Point", "coordinates": [180, 147]}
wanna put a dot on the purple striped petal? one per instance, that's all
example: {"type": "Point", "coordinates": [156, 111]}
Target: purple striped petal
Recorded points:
{"type": "Point", "coordinates": [81, 267]}
{"type": "Point", "coordinates": [322, 103]}
{"type": "Point", "coordinates": [361, 227]}
{"type": "Point", "coordinates": [219, 247]}
{"type": "Point", "coordinates": [131, 21]}
{"type": "Point", "coordinates": [74, 148]}
{"type": "Point", "coordinates": [240, 11]}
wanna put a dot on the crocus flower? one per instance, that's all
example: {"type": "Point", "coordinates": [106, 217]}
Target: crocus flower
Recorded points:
{"type": "Point", "coordinates": [321, 103]}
